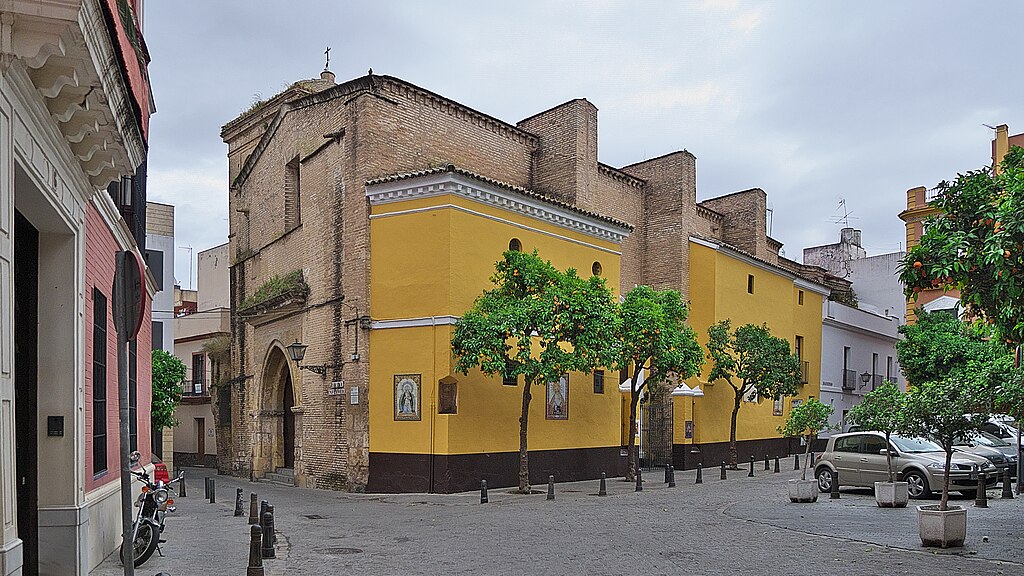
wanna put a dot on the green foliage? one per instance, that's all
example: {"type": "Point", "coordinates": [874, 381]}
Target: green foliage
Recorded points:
{"type": "Point", "coordinates": [954, 371]}
{"type": "Point", "coordinates": [290, 284]}
{"type": "Point", "coordinates": [976, 245]}
{"type": "Point", "coordinates": [847, 297]}
{"type": "Point", "coordinates": [939, 345]}
{"type": "Point", "coordinates": [750, 355]}
{"type": "Point", "coordinates": [539, 323]}
{"type": "Point", "coordinates": [168, 376]}
{"type": "Point", "coordinates": [653, 335]}
{"type": "Point", "coordinates": [807, 420]}
{"type": "Point", "coordinates": [1010, 395]}
{"type": "Point", "coordinates": [750, 359]}
{"type": "Point", "coordinates": [882, 410]}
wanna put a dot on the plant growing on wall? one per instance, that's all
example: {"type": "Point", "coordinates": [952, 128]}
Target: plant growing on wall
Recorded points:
{"type": "Point", "coordinates": [807, 420]}
{"type": "Point", "coordinates": [976, 245]}
{"type": "Point", "coordinates": [882, 410]}
{"type": "Point", "coordinates": [168, 377]}
{"type": "Point", "coordinates": [751, 361]}
{"type": "Point", "coordinates": [538, 323]}
{"type": "Point", "coordinates": [653, 336]}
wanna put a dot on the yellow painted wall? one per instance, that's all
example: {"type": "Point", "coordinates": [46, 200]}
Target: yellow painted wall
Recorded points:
{"type": "Point", "coordinates": [431, 257]}
{"type": "Point", "coordinates": [718, 290]}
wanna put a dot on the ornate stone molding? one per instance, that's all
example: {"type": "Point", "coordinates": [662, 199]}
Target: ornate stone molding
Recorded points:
{"type": "Point", "coordinates": [463, 186]}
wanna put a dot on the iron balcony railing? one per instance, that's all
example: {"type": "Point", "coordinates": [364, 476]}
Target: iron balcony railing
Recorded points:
{"type": "Point", "coordinates": [195, 388]}
{"type": "Point", "coordinates": [849, 379]}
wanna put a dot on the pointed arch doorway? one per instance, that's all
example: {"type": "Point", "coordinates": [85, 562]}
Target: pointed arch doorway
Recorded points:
{"type": "Point", "coordinates": [278, 426]}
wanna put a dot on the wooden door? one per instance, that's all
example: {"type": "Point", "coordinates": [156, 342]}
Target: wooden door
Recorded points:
{"type": "Point", "coordinates": [201, 441]}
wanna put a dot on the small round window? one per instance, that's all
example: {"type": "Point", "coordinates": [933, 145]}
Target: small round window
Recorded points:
{"type": "Point", "coordinates": [515, 245]}
{"type": "Point", "coordinates": [596, 269]}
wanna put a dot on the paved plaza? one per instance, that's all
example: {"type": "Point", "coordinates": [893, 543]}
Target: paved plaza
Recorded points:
{"type": "Point", "coordinates": [738, 526]}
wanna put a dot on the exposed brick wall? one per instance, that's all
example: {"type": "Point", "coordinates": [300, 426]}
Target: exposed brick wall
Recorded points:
{"type": "Point", "coordinates": [745, 223]}
{"type": "Point", "coordinates": [565, 165]}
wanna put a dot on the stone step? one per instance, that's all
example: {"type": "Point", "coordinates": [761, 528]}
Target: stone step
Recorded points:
{"type": "Point", "coordinates": [290, 472]}
{"type": "Point", "coordinates": [280, 479]}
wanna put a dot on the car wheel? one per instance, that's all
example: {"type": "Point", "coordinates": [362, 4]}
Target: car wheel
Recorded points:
{"type": "Point", "coordinates": [825, 478]}
{"type": "Point", "coordinates": [917, 484]}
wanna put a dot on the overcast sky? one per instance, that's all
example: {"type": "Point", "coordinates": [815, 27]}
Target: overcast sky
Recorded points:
{"type": "Point", "coordinates": [812, 101]}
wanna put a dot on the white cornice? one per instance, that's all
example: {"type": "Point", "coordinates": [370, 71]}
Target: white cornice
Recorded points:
{"type": "Point", "coordinates": [458, 185]}
{"type": "Point", "coordinates": [799, 282]}
{"type": "Point", "coordinates": [414, 322]}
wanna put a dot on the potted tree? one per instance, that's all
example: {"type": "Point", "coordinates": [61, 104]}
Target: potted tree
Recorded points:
{"type": "Point", "coordinates": [806, 420]}
{"type": "Point", "coordinates": [944, 410]}
{"type": "Point", "coordinates": [883, 410]}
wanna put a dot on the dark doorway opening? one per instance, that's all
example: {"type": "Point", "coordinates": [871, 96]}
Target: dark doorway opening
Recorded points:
{"type": "Point", "coordinates": [26, 321]}
{"type": "Point", "coordinates": [289, 422]}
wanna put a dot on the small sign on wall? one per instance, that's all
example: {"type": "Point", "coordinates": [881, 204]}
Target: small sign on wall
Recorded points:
{"type": "Point", "coordinates": [353, 396]}
{"type": "Point", "coordinates": [337, 388]}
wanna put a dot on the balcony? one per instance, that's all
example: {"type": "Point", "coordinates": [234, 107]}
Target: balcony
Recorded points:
{"type": "Point", "coordinates": [805, 369]}
{"type": "Point", "coordinates": [849, 380]}
{"type": "Point", "coordinates": [195, 392]}
{"type": "Point", "coordinates": [876, 381]}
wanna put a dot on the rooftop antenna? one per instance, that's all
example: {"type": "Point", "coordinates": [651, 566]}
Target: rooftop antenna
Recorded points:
{"type": "Point", "coordinates": [327, 53]}
{"type": "Point", "coordinates": [847, 215]}
{"type": "Point", "coordinates": [189, 248]}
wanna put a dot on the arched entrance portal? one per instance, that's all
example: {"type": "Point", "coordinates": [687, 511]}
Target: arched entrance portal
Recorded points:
{"type": "Point", "coordinates": [277, 414]}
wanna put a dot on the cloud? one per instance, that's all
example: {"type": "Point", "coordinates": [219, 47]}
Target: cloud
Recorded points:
{"type": "Point", "coordinates": [660, 99]}
{"type": "Point", "coordinates": [747, 21]}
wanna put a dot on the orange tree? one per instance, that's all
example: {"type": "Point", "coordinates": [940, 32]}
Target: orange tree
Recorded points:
{"type": "Point", "coordinates": [539, 323]}
{"type": "Point", "coordinates": [976, 245]}
{"type": "Point", "coordinates": [653, 336]}
{"type": "Point", "coordinates": [751, 361]}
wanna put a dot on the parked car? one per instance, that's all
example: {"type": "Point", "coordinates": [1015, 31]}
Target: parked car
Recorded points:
{"type": "Point", "coordinates": [998, 451]}
{"type": "Point", "coordinates": [1002, 427]}
{"type": "Point", "coordinates": [860, 459]}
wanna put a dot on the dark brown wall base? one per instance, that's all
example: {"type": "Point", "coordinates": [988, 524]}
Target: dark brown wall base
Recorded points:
{"type": "Point", "coordinates": [192, 459]}
{"type": "Point", "coordinates": [392, 473]}
{"type": "Point", "coordinates": [686, 456]}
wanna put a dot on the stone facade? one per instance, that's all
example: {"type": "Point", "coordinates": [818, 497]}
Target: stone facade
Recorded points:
{"type": "Point", "coordinates": [340, 136]}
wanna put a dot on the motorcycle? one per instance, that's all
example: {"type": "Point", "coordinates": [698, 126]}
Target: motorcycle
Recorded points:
{"type": "Point", "coordinates": [154, 502]}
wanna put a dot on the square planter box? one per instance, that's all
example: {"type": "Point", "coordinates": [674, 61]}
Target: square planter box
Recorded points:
{"type": "Point", "coordinates": [803, 490]}
{"type": "Point", "coordinates": [892, 494]}
{"type": "Point", "coordinates": [942, 529]}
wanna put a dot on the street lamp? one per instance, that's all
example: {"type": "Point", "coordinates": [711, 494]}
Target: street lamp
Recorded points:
{"type": "Point", "coordinates": [297, 351]}
{"type": "Point", "coordinates": [865, 378]}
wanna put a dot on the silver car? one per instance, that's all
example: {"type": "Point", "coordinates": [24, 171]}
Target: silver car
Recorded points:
{"type": "Point", "coordinates": [997, 451]}
{"type": "Point", "coordinates": [860, 460]}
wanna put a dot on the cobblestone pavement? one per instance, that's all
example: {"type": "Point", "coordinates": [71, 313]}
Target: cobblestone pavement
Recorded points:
{"type": "Point", "coordinates": [741, 525]}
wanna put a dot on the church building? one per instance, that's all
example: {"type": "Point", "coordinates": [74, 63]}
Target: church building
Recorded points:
{"type": "Point", "coordinates": [366, 217]}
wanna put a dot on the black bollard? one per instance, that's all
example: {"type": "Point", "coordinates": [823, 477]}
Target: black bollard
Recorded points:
{"type": "Point", "coordinates": [273, 531]}
{"type": "Point", "coordinates": [666, 474]}
{"type": "Point", "coordinates": [811, 461]}
{"type": "Point", "coordinates": [253, 510]}
{"type": "Point", "coordinates": [776, 464]}
{"type": "Point", "coordinates": [255, 552]}
{"type": "Point", "coordinates": [263, 510]}
{"type": "Point", "coordinates": [671, 476]}
{"type": "Point", "coordinates": [1007, 490]}
{"type": "Point", "coordinates": [181, 487]}
{"type": "Point", "coordinates": [751, 473]}
{"type": "Point", "coordinates": [603, 490]}
{"type": "Point", "coordinates": [268, 535]}
{"type": "Point", "coordinates": [981, 498]}
{"type": "Point", "coordinates": [639, 481]}
{"type": "Point", "coordinates": [213, 490]}
{"type": "Point", "coordinates": [483, 491]}
{"type": "Point", "coordinates": [796, 461]}
{"type": "Point", "coordinates": [723, 470]}
{"type": "Point", "coordinates": [238, 502]}
{"type": "Point", "coordinates": [700, 476]}
{"type": "Point", "coordinates": [834, 495]}
{"type": "Point", "coordinates": [207, 493]}
{"type": "Point", "coordinates": [551, 487]}
{"type": "Point", "coordinates": [767, 464]}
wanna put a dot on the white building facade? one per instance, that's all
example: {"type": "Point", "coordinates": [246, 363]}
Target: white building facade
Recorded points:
{"type": "Point", "coordinates": [858, 354]}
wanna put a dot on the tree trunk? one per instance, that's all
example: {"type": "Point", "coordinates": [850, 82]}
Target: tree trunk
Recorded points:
{"type": "Point", "coordinates": [807, 455]}
{"type": "Point", "coordinates": [732, 428]}
{"type": "Point", "coordinates": [634, 399]}
{"type": "Point", "coordinates": [524, 457]}
{"type": "Point", "coordinates": [888, 459]}
{"type": "Point", "coordinates": [944, 503]}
